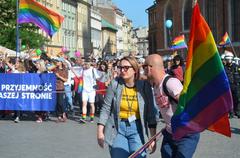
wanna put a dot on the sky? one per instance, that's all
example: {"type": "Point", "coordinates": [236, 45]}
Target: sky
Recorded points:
{"type": "Point", "coordinates": [135, 10]}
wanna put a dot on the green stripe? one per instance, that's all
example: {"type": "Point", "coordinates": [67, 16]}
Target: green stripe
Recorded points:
{"type": "Point", "coordinates": [206, 73]}
{"type": "Point", "coordinates": [31, 11]}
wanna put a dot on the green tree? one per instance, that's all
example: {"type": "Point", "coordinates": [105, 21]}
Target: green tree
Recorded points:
{"type": "Point", "coordinates": [28, 32]}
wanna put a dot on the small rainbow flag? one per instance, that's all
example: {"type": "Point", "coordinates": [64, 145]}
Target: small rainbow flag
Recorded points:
{"type": "Point", "coordinates": [179, 42]}
{"type": "Point", "coordinates": [80, 85]}
{"type": "Point", "coordinates": [206, 96]}
{"type": "Point", "coordinates": [31, 11]}
{"type": "Point", "coordinates": [225, 40]}
{"type": "Point", "coordinates": [35, 58]}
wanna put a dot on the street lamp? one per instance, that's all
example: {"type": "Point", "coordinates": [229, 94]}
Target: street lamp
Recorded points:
{"type": "Point", "coordinates": [168, 25]}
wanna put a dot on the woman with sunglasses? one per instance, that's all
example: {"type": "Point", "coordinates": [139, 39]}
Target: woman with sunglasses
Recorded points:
{"type": "Point", "coordinates": [127, 113]}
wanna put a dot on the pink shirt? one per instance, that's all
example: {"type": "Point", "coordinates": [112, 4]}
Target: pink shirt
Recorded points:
{"type": "Point", "coordinates": [167, 108]}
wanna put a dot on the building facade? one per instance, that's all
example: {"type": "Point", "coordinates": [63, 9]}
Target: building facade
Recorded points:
{"type": "Point", "coordinates": [54, 45]}
{"type": "Point", "coordinates": [129, 46]}
{"type": "Point", "coordinates": [141, 40]}
{"type": "Point", "coordinates": [84, 28]}
{"type": "Point", "coordinates": [96, 32]}
{"type": "Point", "coordinates": [108, 39]}
{"type": "Point", "coordinates": [69, 25]}
{"type": "Point", "coordinates": [119, 25]}
{"type": "Point", "coordinates": [221, 15]}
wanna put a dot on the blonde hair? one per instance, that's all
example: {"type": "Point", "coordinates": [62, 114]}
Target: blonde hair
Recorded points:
{"type": "Point", "coordinates": [134, 64]}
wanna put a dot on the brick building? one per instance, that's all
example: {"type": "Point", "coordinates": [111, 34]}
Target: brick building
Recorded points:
{"type": "Point", "coordinates": [221, 15]}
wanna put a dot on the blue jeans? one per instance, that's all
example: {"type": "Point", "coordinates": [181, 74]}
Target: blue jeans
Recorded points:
{"type": "Point", "coordinates": [183, 148]}
{"type": "Point", "coordinates": [68, 99]}
{"type": "Point", "coordinates": [128, 140]}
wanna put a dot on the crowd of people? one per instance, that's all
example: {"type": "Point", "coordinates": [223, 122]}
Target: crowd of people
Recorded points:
{"type": "Point", "coordinates": [127, 94]}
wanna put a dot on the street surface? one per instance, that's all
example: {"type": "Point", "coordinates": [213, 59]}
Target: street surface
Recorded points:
{"type": "Point", "coordinates": [29, 139]}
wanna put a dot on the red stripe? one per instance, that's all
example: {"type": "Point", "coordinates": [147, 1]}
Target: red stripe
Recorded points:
{"type": "Point", "coordinates": [199, 31]}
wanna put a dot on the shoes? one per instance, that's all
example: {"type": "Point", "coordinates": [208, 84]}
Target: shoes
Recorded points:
{"type": "Point", "coordinates": [17, 120]}
{"type": "Point", "coordinates": [82, 120]}
{"type": "Point", "coordinates": [92, 120]}
{"type": "Point", "coordinates": [39, 120]}
{"type": "Point", "coordinates": [64, 117]}
{"type": "Point", "coordinates": [60, 119]}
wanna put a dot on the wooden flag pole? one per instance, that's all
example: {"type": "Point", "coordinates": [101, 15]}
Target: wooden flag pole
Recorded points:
{"type": "Point", "coordinates": [194, 3]}
{"type": "Point", "coordinates": [146, 145]}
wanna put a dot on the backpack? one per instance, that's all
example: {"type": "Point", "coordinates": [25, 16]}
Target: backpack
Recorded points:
{"type": "Point", "coordinates": [164, 85]}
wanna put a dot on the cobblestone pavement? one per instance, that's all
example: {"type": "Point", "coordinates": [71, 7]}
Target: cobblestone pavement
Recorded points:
{"type": "Point", "coordinates": [29, 139]}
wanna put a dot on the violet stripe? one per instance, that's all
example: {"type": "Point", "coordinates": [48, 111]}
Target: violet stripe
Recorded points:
{"type": "Point", "coordinates": [206, 117]}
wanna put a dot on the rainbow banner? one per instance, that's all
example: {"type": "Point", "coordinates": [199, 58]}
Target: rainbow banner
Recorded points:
{"type": "Point", "coordinates": [206, 96]}
{"type": "Point", "coordinates": [179, 43]}
{"type": "Point", "coordinates": [225, 40]}
{"type": "Point", "coordinates": [31, 11]}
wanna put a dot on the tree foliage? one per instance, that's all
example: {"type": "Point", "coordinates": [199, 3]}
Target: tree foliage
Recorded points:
{"type": "Point", "coordinates": [28, 32]}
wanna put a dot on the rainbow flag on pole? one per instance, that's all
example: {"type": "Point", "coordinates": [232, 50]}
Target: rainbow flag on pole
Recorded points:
{"type": "Point", "coordinates": [206, 96]}
{"type": "Point", "coordinates": [179, 43]}
{"type": "Point", "coordinates": [225, 40]}
{"type": "Point", "coordinates": [31, 11]}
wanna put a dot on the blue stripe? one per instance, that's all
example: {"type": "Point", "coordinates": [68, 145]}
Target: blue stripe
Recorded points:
{"type": "Point", "coordinates": [42, 22]}
{"type": "Point", "coordinates": [208, 94]}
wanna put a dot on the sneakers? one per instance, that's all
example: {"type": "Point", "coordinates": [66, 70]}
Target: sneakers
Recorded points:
{"type": "Point", "coordinates": [91, 120]}
{"type": "Point", "coordinates": [17, 120]}
{"type": "Point", "coordinates": [39, 120]}
{"type": "Point", "coordinates": [82, 120]}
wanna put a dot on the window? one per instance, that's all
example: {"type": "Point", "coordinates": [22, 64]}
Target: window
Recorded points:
{"type": "Point", "coordinates": [235, 5]}
{"type": "Point", "coordinates": [211, 16]}
{"type": "Point", "coordinates": [187, 14]}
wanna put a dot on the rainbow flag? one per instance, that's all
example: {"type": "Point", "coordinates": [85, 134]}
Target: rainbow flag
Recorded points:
{"type": "Point", "coordinates": [80, 85]}
{"type": "Point", "coordinates": [206, 96]}
{"type": "Point", "coordinates": [35, 58]}
{"type": "Point", "coordinates": [225, 40]}
{"type": "Point", "coordinates": [179, 42]}
{"type": "Point", "coordinates": [31, 11]}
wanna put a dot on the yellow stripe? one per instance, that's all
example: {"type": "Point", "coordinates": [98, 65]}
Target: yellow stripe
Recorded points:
{"type": "Point", "coordinates": [52, 18]}
{"type": "Point", "coordinates": [200, 55]}
{"type": "Point", "coordinates": [203, 53]}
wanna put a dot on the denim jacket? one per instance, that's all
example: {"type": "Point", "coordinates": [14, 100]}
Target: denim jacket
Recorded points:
{"type": "Point", "coordinates": [109, 115]}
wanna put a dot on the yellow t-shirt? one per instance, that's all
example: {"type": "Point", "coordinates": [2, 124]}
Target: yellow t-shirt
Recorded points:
{"type": "Point", "coordinates": [129, 103]}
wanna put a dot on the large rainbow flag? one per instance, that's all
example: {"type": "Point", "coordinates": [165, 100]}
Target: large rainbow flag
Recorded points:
{"type": "Point", "coordinates": [206, 96]}
{"type": "Point", "coordinates": [31, 11]}
{"type": "Point", "coordinates": [179, 42]}
{"type": "Point", "coordinates": [225, 40]}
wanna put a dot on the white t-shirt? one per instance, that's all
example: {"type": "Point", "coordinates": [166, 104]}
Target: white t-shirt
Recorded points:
{"type": "Point", "coordinates": [167, 108]}
{"type": "Point", "coordinates": [77, 70]}
{"type": "Point", "coordinates": [89, 79]}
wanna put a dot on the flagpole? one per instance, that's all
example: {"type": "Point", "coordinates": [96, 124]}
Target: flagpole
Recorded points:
{"type": "Point", "coordinates": [17, 30]}
{"type": "Point", "coordinates": [194, 3]}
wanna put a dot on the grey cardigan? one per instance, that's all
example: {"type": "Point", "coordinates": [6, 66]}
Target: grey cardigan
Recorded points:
{"type": "Point", "coordinates": [109, 115]}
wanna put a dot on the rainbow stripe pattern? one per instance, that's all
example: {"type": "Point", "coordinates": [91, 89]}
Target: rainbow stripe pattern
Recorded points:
{"type": "Point", "coordinates": [31, 11]}
{"type": "Point", "coordinates": [206, 95]}
{"type": "Point", "coordinates": [225, 40]}
{"type": "Point", "coordinates": [80, 85]}
{"type": "Point", "coordinates": [179, 43]}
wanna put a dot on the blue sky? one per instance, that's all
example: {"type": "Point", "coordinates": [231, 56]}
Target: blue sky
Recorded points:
{"type": "Point", "coordinates": [135, 10]}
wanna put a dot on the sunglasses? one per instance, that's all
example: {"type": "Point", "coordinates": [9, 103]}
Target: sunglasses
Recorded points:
{"type": "Point", "coordinates": [145, 66]}
{"type": "Point", "coordinates": [124, 68]}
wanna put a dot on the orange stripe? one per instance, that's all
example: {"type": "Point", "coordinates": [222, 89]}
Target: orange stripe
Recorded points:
{"type": "Point", "coordinates": [199, 32]}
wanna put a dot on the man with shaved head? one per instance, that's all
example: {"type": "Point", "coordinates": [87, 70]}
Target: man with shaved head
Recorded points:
{"type": "Point", "coordinates": [167, 90]}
